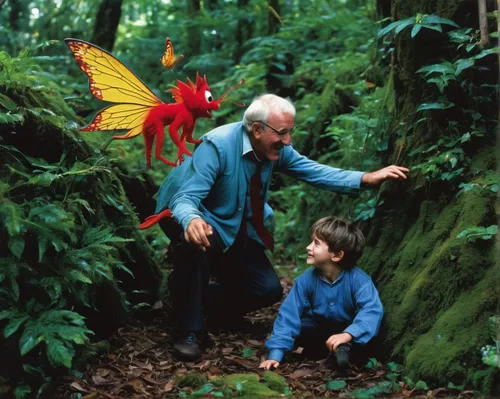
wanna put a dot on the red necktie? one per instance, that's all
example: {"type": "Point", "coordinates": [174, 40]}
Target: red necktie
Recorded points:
{"type": "Point", "coordinates": [257, 205]}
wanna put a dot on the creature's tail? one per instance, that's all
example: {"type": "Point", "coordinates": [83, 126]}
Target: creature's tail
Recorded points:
{"type": "Point", "coordinates": [153, 219]}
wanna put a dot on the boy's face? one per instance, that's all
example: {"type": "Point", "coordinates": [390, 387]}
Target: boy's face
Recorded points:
{"type": "Point", "coordinates": [318, 253]}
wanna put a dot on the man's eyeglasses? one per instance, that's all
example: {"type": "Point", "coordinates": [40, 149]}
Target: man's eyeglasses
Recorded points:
{"type": "Point", "coordinates": [281, 133]}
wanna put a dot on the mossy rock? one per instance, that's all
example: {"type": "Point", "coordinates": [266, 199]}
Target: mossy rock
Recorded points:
{"type": "Point", "coordinates": [276, 382]}
{"type": "Point", "coordinates": [246, 384]}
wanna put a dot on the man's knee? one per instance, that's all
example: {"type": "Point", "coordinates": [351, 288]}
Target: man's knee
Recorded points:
{"type": "Point", "coordinates": [273, 292]}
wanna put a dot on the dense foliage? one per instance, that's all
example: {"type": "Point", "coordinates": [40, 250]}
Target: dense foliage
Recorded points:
{"type": "Point", "coordinates": [415, 89]}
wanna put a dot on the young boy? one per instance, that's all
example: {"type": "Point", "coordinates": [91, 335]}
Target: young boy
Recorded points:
{"type": "Point", "coordinates": [331, 305]}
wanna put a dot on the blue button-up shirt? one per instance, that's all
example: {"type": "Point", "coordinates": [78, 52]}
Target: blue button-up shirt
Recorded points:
{"type": "Point", "coordinates": [351, 299]}
{"type": "Point", "coordinates": [213, 184]}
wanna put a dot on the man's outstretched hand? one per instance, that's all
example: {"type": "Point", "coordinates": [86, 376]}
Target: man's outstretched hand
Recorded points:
{"type": "Point", "coordinates": [392, 172]}
{"type": "Point", "coordinates": [197, 233]}
{"type": "Point", "coordinates": [269, 364]}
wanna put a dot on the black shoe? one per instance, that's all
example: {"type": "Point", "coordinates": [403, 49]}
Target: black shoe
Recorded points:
{"type": "Point", "coordinates": [342, 355]}
{"type": "Point", "coordinates": [188, 348]}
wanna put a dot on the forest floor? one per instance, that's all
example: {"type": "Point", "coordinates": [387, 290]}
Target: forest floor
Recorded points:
{"type": "Point", "coordinates": [139, 364]}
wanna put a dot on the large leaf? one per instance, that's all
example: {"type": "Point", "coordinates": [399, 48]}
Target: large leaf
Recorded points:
{"type": "Point", "coordinates": [58, 353]}
{"type": "Point", "coordinates": [443, 68]}
{"type": "Point", "coordinates": [425, 106]}
{"type": "Point", "coordinates": [14, 324]}
{"type": "Point", "coordinates": [29, 340]}
{"type": "Point", "coordinates": [336, 385]}
{"type": "Point", "coordinates": [7, 103]}
{"type": "Point", "coordinates": [463, 64]}
{"type": "Point", "coordinates": [434, 19]}
{"type": "Point", "coordinates": [393, 25]}
{"type": "Point", "coordinates": [416, 28]}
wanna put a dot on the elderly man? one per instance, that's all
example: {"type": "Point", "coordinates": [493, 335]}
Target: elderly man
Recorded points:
{"type": "Point", "coordinates": [221, 217]}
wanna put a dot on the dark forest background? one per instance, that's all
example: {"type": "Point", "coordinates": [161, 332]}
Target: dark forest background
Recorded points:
{"type": "Point", "coordinates": [406, 82]}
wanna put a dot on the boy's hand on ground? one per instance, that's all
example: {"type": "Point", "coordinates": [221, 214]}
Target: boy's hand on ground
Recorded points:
{"type": "Point", "coordinates": [269, 364]}
{"type": "Point", "coordinates": [197, 233]}
{"type": "Point", "coordinates": [338, 339]}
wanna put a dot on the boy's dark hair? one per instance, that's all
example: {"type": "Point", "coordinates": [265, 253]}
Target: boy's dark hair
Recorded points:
{"type": "Point", "coordinates": [340, 235]}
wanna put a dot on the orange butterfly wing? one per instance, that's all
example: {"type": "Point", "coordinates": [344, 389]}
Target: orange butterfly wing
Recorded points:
{"type": "Point", "coordinates": [110, 80]}
{"type": "Point", "coordinates": [168, 59]}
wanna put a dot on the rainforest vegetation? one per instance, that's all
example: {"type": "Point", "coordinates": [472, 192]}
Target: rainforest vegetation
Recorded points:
{"type": "Point", "coordinates": [375, 82]}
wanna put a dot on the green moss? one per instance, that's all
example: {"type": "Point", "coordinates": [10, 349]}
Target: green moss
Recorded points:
{"type": "Point", "coordinates": [246, 384]}
{"type": "Point", "coordinates": [275, 382]}
{"type": "Point", "coordinates": [427, 285]}
{"type": "Point", "coordinates": [194, 380]}
{"type": "Point", "coordinates": [452, 344]}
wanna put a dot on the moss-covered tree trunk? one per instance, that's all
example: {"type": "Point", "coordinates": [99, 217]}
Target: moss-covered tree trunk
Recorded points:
{"type": "Point", "coordinates": [438, 292]}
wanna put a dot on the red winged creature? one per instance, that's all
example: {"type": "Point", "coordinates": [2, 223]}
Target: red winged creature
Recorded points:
{"type": "Point", "coordinates": [138, 109]}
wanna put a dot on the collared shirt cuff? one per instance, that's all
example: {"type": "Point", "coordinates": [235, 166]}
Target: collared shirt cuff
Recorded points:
{"type": "Point", "coordinates": [187, 219]}
{"type": "Point", "coordinates": [276, 354]}
{"type": "Point", "coordinates": [357, 179]}
{"type": "Point", "coordinates": [355, 331]}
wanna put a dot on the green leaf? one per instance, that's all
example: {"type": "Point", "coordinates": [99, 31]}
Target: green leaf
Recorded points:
{"type": "Point", "coordinates": [408, 381]}
{"type": "Point", "coordinates": [451, 385]}
{"type": "Point", "coordinates": [425, 106]}
{"type": "Point", "coordinates": [12, 219]}
{"type": "Point", "coordinates": [14, 324]}
{"type": "Point", "coordinates": [459, 36]}
{"type": "Point", "coordinates": [463, 64]}
{"type": "Point", "coordinates": [393, 25]}
{"type": "Point", "coordinates": [486, 52]}
{"type": "Point", "coordinates": [7, 314]}
{"type": "Point", "coordinates": [493, 229]}
{"type": "Point", "coordinates": [443, 68]}
{"type": "Point", "coordinates": [248, 352]}
{"type": "Point", "coordinates": [42, 246]}
{"type": "Point", "coordinates": [10, 118]}
{"type": "Point", "coordinates": [470, 47]}
{"type": "Point", "coordinates": [336, 385]}
{"type": "Point", "coordinates": [28, 342]}
{"type": "Point", "coordinates": [421, 386]}
{"type": "Point", "coordinates": [371, 364]}
{"type": "Point", "coordinates": [16, 246]}
{"type": "Point", "coordinates": [403, 24]}
{"type": "Point", "coordinates": [77, 275]}
{"type": "Point", "coordinates": [434, 19]}
{"type": "Point", "coordinates": [7, 103]}
{"type": "Point", "coordinates": [44, 179]}
{"type": "Point", "coordinates": [393, 366]}
{"type": "Point", "coordinates": [416, 28]}
{"type": "Point", "coordinates": [22, 391]}
{"type": "Point", "coordinates": [207, 388]}
{"type": "Point", "coordinates": [433, 27]}
{"type": "Point", "coordinates": [58, 353]}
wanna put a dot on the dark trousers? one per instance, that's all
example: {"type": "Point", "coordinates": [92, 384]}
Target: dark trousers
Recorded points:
{"type": "Point", "coordinates": [314, 333]}
{"type": "Point", "coordinates": [246, 280]}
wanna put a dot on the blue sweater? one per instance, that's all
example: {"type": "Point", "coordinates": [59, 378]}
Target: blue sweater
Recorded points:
{"type": "Point", "coordinates": [351, 299]}
{"type": "Point", "coordinates": [214, 183]}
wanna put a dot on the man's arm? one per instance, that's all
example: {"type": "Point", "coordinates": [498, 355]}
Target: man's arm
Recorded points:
{"type": "Point", "coordinates": [367, 321]}
{"type": "Point", "coordinates": [327, 177]}
{"type": "Point", "coordinates": [198, 182]}
{"type": "Point", "coordinates": [318, 175]}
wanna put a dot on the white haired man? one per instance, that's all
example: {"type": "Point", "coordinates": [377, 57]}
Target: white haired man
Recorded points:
{"type": "Point", "coordinates": [218, 198]}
